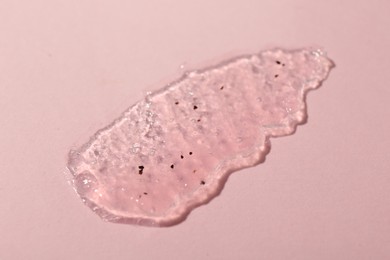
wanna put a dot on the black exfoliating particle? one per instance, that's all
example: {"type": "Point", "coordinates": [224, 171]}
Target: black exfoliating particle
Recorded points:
{"type": "Point", "coordinates": [140, 169]}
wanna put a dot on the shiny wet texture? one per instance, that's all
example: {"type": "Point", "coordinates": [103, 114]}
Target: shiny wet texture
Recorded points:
{"type": "Point", "coordinates": [173, 150]}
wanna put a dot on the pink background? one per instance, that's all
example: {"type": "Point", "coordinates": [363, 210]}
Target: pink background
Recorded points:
{"type": "Point", "coordinates": [67, 68]}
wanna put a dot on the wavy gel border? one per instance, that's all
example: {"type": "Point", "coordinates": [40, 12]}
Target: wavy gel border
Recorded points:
{"type": "Point", "coordinates": [174, 150]}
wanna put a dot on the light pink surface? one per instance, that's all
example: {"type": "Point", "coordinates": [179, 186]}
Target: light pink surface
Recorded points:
{"type": "Point", "coordinates": [69, 67]}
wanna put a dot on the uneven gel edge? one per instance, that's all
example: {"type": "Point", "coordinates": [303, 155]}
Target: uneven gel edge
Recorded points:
{"type": "Point", "coordinates": [204, 194]}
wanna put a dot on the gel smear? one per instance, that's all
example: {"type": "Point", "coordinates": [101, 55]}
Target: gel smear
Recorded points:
{"type": "Point", "coordinates": [173, 151]}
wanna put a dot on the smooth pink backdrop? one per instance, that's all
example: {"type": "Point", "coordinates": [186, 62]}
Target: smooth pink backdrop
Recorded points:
{"type": "Point", "coordinates": [67, 68]}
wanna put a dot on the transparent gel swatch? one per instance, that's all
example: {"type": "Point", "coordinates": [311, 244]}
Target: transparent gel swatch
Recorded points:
{"type": "Point", "coordinates": [173, 151]}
